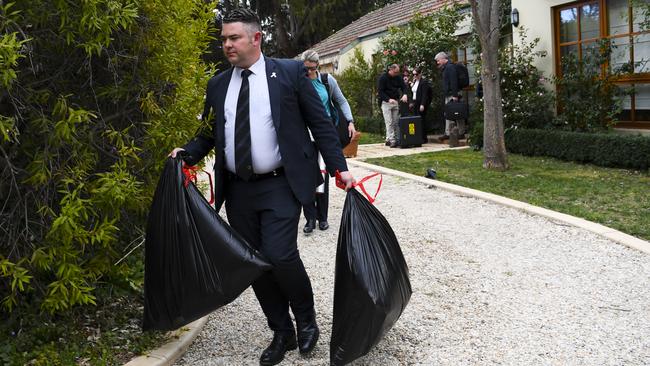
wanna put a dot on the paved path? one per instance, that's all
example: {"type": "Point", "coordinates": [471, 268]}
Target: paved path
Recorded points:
{"type": "Point", "coordinates": [492, 285]}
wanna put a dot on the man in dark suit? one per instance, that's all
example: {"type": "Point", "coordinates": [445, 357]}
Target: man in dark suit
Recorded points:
{"type": "Point", "coordinates": [266, 167]}
{"type": "Point", "coordinates": [422, 94]}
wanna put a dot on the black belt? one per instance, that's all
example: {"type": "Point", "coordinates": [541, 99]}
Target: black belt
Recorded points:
{"type": "Point", "coordinates": [255, 177]}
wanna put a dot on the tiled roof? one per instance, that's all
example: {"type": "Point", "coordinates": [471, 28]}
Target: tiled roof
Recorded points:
{"type": "Point", "coordinates": [377, 21]}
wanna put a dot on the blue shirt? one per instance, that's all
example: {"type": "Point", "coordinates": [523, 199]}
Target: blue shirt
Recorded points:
{"type": "Point", "coordinates": [322, 93]}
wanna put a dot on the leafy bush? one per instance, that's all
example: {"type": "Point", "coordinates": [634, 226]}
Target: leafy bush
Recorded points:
{"type": "Point", "coordinates": [589, 99]}
{"type": "Point", "coordinates": [359, 85]}
{"type": "Point", "coordinates": [95, 94]}
{"type": "Point", "coordinates": [372, 124]}
{"type": "Point", "coordinates": [603, 149]}
{"type": "Point", "coordinates": [526, 102]}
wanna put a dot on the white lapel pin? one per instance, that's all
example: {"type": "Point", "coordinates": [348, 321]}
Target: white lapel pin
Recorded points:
{"type": "Point", "coordinates": [273, 75]}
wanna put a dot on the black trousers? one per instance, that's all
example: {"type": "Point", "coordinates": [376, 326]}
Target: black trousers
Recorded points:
{"type": "Point", "coordinates": [266, 214]}
{"type": "Point", "coordinates": [317, 210]}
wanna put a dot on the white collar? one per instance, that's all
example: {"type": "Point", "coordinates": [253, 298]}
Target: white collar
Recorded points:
{"type": "Point", "coordinates": [258, 68]}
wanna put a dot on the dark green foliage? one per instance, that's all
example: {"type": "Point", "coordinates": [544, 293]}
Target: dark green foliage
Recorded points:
{"type": "Point", "coordinates": [526, 101]}
{"type": "Point", "coordinates": [589, 99]}
{"type": "Point", "coordinates": [95, 93]}
{"type": "Point", "coordinates": [359, 85]}
{"type": "Point", "coordinates": [293, 26]}
{"type": "Point", "coordinates": [603, 149]}
{"type": "Point", "coordinates": [372, 124]}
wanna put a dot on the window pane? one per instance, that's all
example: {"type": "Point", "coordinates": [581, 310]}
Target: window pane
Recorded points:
{"type": "Point", "coordinates": [568, 25]}
{"type": "Point", "coordinates": [626, 105]}
{"type": "Point", "coordinates": [589, 24]}
{"type": "Point", "coordinates": [638, 17]}
{"type": "Point", "coordinates": [642, 53]}
{"type": "Point", "coordinates": [461, 55]}
{"type": "Point", "coordinates": [471, 67]}
{"type": "Point", "coordinates": [620, 57]}
{"type": "Point", "coordinates": [566, 51]}
{"type": "Point", "coordinates": [590, 59]}
{"type": "Point", "coordinates": [642, 102]}
{"type": "Point", "coordinates": [618, 17]}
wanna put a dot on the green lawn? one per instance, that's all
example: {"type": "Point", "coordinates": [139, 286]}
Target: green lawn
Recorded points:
{"type": "Point", "coordinates": [617, 198]}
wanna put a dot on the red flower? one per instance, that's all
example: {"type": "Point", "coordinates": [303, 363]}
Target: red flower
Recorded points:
{"type": "Point", "coordinates": [393, 52]}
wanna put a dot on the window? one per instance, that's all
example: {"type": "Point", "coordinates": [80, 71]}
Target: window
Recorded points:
{"type": "Point", "coordinates": [581, 24]}
{"type": "Point", "coordinates": [466, 56]}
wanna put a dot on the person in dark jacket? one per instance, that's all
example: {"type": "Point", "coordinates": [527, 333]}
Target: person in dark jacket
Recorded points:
{"type": "Point", "coordinates": [450, 91]}
{"type": "Point", "coordinates": [266, 166]}
{"type": "Point", "coordinates": [391, 88]}
{"type": "Point", "coordinates": [421, 97]}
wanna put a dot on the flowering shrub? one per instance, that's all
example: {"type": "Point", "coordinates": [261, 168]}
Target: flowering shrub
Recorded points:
{"type": "Point", "coordinates": [526, 101]}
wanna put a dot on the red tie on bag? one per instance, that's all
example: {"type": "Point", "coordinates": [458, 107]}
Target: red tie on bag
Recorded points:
{"type": "Point", "coordinates": [190, 172]}
{"type": "Point", "coordinates": [341, 184]}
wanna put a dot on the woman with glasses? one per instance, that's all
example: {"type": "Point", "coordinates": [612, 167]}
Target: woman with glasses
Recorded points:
{"type": "Point", "coordinates": [334, 102]}
{"type": "Point", "coordinates": [421, 98]}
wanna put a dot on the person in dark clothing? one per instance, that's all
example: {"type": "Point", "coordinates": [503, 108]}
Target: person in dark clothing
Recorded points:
{"type": "Point", "coordinates": [391, 88]}
{"type": "Point", "coordinates": [450, 91]}
{"type": "Point", "coordinates": [421, 98]}
{"type": "Point", "coordinates": [265, 167]}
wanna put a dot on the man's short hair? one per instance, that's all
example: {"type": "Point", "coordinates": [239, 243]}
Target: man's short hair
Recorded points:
{"type": "Point", "coordinates": [440, 56]}
{"type": "Point", "coordinates": [393, 67]}
{"type": "Point", "coordinates": [310, 56]}
{"type": "Point", "coordinates": [246, 16]}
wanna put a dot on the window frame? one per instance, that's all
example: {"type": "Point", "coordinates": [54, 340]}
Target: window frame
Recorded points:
{"type": "Point", "coordinates": [603, 33]}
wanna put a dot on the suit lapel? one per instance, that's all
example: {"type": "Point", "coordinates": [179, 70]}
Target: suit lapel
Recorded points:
{"type": "Point", "coordinates": [221, 103]}
{"type": "Point", "coordinates": [274, 91]}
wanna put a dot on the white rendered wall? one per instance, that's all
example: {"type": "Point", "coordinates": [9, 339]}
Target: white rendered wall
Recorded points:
{"type": "Point", "coordinates": [537, 17]}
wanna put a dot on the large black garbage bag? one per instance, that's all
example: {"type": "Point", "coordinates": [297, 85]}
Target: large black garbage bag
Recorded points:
{"type": "Point", "coordinates": [194, 261]}
{"type": "Point", "coordinates": [371, 286]}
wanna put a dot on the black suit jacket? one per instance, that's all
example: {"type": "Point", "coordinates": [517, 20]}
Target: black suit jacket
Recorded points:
{"type": "Point", "coordinates": [423, 95]}
{"type": "Point", "coordinates": [295, 105]}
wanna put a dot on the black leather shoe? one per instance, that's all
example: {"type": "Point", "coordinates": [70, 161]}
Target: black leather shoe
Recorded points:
{"type": "Point", "coordinates": [323, 225]}
{"type": "Point", "coordinates": [274, 353]}
{"type": "Point", "coordinates": [393, 144]}
{"type": "Point", "coordinates": [309, 226]}
{"type": "Point", "coordinates": [307, 336]}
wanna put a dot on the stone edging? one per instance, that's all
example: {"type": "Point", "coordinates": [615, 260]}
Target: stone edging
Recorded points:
{"type": "Point", "coordinates": [601, 230]}
{"type": "Point", "coordinates": [173, 350]}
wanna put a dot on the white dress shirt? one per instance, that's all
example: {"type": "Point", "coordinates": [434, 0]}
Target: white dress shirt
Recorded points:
{"type": "Point", "coordinates": [415, 88]}
{"type": "Point", "coordinates": [264, 140]}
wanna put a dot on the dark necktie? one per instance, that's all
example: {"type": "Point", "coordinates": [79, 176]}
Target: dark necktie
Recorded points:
{"type": "Point", "coordinates": [243, 156]}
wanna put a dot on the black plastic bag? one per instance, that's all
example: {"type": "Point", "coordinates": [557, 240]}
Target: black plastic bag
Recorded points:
{"type": "Point", "coordinates": [194, 261]}
{"type": "Point", "coordinates": [371, 287]}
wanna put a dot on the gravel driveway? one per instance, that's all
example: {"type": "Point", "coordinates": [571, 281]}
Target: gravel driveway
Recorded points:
{"type": "Point", "coordinates": [491, 285]}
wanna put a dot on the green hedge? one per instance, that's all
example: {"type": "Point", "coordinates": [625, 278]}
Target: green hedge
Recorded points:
{"type": "Point", "coordinates": [603, 149]}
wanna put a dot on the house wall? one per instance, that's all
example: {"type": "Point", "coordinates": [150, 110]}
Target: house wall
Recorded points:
{"type": "Point", "coordinates": [368, 46]}
{"type": "Point", "coordinates": [537, 18]}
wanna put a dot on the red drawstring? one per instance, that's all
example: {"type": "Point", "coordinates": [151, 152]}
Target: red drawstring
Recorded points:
{"type": "Point", "coordinates": [341, 184]}
{"type": "Point", "coordinates": [190, 175]}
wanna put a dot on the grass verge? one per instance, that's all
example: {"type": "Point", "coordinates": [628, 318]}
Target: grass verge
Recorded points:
{"type": "Point", "coordinates": [616, 198]}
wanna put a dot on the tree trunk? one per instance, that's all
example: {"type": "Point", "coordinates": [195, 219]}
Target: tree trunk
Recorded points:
{"type": "Point", "coordinates": [282, 41]}
{"type": "Point", "coordinates": [487, 23]}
